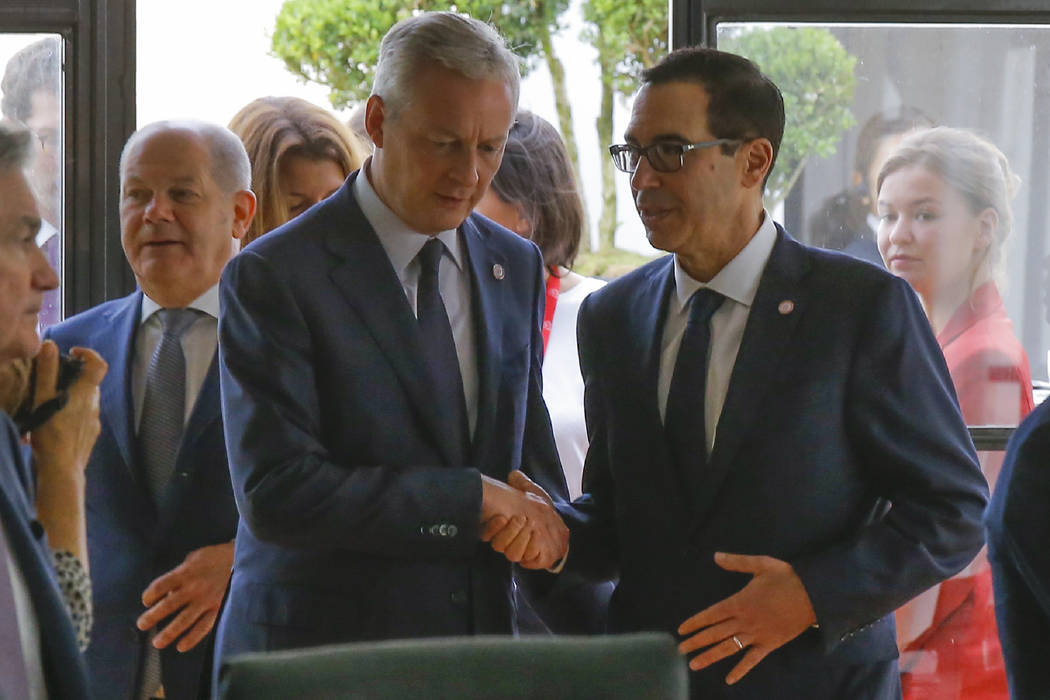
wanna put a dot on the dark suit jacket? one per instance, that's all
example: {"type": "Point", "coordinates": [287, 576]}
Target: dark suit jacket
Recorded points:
{"type": "Point", "coordinates": [835, 407]}
{"type": "Point", "coordinates": [64, 669]}
{"type": "Point", "coordinates": [1018, 522]}
{"type": "Point", "coordinates": [130, 543]}
{"type": "Point", "coordinates": [359, 521]}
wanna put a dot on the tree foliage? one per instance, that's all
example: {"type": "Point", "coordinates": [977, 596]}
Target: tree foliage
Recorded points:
{"type": "Point", "coordinates": [815, 74]}
{"type": "Point", "coordinates": [628, 37]}
{"type": "Point", "coordinates": [336, 42]}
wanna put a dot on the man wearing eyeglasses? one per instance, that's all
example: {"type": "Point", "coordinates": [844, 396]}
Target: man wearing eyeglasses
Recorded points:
{"type": "Point", "coordinates": [777, 461]}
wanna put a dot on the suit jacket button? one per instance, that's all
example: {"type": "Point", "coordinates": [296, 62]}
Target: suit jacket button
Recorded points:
{"type": "Point", "coordinates": [36, 528]}
{"type": "Point", "coordinates": [458, 597]}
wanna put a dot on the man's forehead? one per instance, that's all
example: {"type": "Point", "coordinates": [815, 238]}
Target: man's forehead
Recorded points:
{"type": "Point", "coordinates": [668, 111]}
{"type": "Point", "coordinates": [176, 156]}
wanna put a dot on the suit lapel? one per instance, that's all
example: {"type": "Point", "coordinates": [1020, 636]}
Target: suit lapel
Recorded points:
{"type": "Point", "coordinates": [766, 336]}
{"type": "Point", "coordinates": [115, 340]}
{"type": "Point", "coordinates": [649, 306]}
{"type": "Point", "coordinates": [487, 293]}
{"type": "Point", "coordinates": [367, 280]}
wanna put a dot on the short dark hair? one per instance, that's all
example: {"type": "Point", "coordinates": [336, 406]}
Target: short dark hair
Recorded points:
{"type": "Point", "coordinates": [536, 174]}
{"type": "Point", "coordinates": [34, 68]}
{"type": "Point", "coordinates": [881, 125]}
{"type": "Point", "coordinates": [742, 104]}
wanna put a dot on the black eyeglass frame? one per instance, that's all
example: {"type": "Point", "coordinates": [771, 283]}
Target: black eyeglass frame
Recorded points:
{"type": "Point", "coordinates": [619, 152]}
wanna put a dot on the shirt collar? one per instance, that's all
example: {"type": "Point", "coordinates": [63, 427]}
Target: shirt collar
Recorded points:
{"type": "Point", "coordinates": [207, 303]}
{"type": "Point", "coordinates": [739, 279]}
{"type": "Point", "coordinates": [400, 242]}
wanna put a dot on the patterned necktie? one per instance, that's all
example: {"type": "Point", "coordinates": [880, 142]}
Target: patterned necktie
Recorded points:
{"type": "Point", "coordinates": [684, 423]}
{"type": "Point", "coordinates": [439, 347]}
{"type": "Point", "coordinates": [14, 681]}
{"type": "Point", "coordinates": [160, 436]}
{"type": "Point", "coordinates": [164, 403]}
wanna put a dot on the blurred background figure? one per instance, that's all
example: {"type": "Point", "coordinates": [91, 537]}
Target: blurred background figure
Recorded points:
{"type": "Point", "coordinates": [300, 154]}
{"type": "Point", "coordinates": [534, 193]}
{"type": "Point", "coordinates": [944, 204]}
{"type": "Point", "coordinates": [847, 221]}
{"type": "Point", "coordinates": [31, 89]}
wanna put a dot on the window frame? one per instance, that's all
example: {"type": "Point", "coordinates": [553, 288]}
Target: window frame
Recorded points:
{"type": "Point", "coordinates": [694, 22]}
{"type": "Point", "coordinates": [98, 77]}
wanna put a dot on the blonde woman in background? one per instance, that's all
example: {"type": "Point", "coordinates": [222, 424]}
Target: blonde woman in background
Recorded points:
{"type": "Point", "coordinates": [944, 207]}
{"type": "Point", "coordinates": [300, 154]}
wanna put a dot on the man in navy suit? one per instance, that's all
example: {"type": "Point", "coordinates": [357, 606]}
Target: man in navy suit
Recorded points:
{"type": "Point", "coordinates": [161, 514]}
{"type": "Point", "coordinates": [1018, 522]}
{"type": "Point", "coordinates": [41, 506]}
{"type": "Point", "coordinates": [380, 359]}
{"type": "Point", "coordinates": [777, 462]}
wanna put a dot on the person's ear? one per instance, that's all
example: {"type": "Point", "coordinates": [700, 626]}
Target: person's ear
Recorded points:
{"type": "Point", "coordinates": [756, 159]}
{"type": "Point", "coordinates": [244, 204]}
{"type": "Point", "coordinates": [375, 116]}
{"type": "Point", "coordinates": [987, 225]}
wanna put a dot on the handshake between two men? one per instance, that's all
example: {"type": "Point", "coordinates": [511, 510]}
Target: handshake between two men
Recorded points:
{"type": "Point", "coordinates": [518, 520]}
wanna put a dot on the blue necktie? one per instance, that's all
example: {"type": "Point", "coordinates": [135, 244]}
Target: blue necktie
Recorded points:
{"type": "Point", "coordinates": [439, 347]}
{"type": "Point", "coordinates": [684, 421]}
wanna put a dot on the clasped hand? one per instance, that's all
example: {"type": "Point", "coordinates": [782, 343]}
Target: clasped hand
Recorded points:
{"type": "Point", "coordinates": [519, 520]}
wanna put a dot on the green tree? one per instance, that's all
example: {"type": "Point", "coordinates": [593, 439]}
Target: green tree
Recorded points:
{"type": "Point", "coordinates": [629, 38]}
{"type": "Point", "coordinates": [336, 43]}
{"type": "Point", "coordinates": [815, 74]}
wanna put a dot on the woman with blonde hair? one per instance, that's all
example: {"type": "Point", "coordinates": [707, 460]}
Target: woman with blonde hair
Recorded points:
{"type": "Point", "coordinates": [300, 154]}
{"type": "Point", "coordinates": [944, 207]}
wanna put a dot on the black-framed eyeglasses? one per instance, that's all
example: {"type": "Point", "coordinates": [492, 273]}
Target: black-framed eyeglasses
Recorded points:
{"type": "Point", "coordinates": [663, 156]}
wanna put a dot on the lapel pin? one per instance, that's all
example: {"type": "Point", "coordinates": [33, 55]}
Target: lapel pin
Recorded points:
{"type": "Point", "coordinates": [498, 272]}
{"type": "Point", "coordinates": [786, 307]}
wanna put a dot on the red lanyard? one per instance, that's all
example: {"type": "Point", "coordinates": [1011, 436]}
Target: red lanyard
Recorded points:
{"type": "Point", "coordinates": [553, 290]}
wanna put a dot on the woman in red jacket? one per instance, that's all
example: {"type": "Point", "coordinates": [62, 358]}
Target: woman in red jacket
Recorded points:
{"type": "Point", "coordinates": [944, 208]}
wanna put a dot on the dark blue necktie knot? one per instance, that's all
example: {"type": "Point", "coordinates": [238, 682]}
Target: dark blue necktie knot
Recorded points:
{"type": "Point", "coordinates": [703, 305]}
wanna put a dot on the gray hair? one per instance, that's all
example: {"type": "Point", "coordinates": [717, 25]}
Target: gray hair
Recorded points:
{"type": "Point", "coordinates": [229, 161]}
{"type": "Point", "coordinates": [467, 46]}
{"type": "Point", "coordinates": [14, 147]}
{"type": "Point", "coordinates": [972, 166]}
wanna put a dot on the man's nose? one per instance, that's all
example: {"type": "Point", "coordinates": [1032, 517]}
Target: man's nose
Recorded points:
{"type": "Point", "coordinates": [44, 276]}
{"type": "Point", "coordinates": [158, 208]}
{"type": "Point", "coordinates": [644, 176]}
{"type": "Point", "coordinates": [465, 169]}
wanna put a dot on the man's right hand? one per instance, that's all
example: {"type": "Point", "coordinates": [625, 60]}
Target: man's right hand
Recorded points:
{"type": "Point", "coordinates": [65, 441]}
{"type": "Point", "coordinates": [519, 520]}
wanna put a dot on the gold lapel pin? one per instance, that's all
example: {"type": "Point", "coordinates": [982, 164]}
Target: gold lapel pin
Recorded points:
{"type": "Point", "coordinates": [786, 307]}
{"type": "Point", "coordinates": [498, 272]}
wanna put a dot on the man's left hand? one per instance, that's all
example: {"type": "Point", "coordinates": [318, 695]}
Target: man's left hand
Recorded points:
{"type": "Point", "coordinates": [770, 611]}
{"type": "Point", "coordinates": [194, 590]}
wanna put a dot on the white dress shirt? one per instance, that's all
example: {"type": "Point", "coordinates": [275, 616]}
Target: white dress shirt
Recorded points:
{"type": "Point", "coordinates": [198, 347]}
{"type": "Point", "coordinates": [738, 283]}
{"type": "Point", "coordinates": [28, 627]}
{"type": "Point", "coordinates": [402, 245]}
